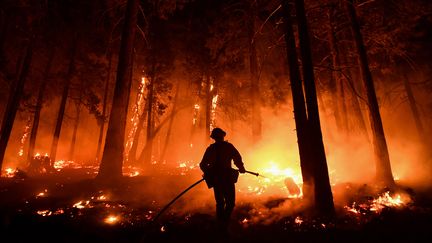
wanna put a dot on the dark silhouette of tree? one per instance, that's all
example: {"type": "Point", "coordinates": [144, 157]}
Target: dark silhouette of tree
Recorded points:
{"type": "Point", "coordinates": [14, 100]}
{"type": "Point", "coordinates": [39, 104]}
{"type": "Point", "coordinates": [112, 158]}
{"type": "Point", "coordinates": [64, 98]}
{"type": "Point", "coordinates": [383, 167]}
{"type": "Point", "coordinates": [311, 148]}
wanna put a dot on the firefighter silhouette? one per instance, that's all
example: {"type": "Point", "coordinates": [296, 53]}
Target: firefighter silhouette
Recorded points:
{"type": "Point", "coordinates": [219, 175]}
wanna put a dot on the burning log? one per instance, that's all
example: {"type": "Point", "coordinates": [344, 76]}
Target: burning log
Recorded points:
{"type": "Point", "coordinates": [292, 187]}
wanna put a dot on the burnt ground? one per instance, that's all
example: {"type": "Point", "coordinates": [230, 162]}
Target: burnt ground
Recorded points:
{"type": "Point", "coordinates": [72, 207]}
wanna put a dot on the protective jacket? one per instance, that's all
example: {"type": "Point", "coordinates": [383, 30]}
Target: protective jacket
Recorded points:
{"type": "Point", "coordinates": [216, 163]}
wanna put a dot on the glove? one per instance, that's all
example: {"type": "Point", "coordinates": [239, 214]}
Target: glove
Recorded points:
{"type": "Point", "coordinates": [242, 170]}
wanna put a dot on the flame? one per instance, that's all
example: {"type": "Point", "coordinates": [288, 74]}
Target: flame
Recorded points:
{"type": "Point", "coordinates": [388, 201]}
{"type": "Point", "coordinates": [378, 204]}
{"type": "Point", "coordinates": [196, 113]}
{"type": "Point", "coordinates": [137, 111]}
{"type": "Point", "coordinates": [44, 212]}
{"type": "Point", "coordinates": [9, 172]}
{"type": "Point", "coordinates": [298, 220]}
{"type": "Point", "coordinates": [111, 219]}
{"type": "Point", "coordinates": [213, 111]}
{"type": "Point", "coordinates": [24, 137]}
{"type": "Point", "coordinates": [82, 204]}
{"type": "Point", "coordinates": [133, 174]}
{"type": "Point", "coordinates": [42, 194]}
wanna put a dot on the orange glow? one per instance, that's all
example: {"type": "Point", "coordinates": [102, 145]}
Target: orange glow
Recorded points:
{"type": "Point", "coordinates": [112, 219]}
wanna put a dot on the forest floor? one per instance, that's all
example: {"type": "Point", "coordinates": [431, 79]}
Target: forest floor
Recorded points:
{"type": "Point", "coordinates": [71, 206]}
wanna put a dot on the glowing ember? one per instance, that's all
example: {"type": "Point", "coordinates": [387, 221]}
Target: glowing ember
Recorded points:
{"type": "Point", "coordinates": [10, 172]}
{"type": "Point", "coordinates": [298, 220]}
{"type": "Point", "coordinates": [82, 204]}
{"type": "Point", "coordinates": [162, 229]}
{"type": "Point", "coordinates": [135, 173]}
{"type": "Point", "coordinates": [111, 219]}
{"type": "Point", "coordinates": [42, 194]}
{"type": "Point", "coordinates": [44, 212]}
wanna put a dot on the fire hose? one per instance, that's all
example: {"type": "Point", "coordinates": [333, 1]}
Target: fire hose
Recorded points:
{"type": "Point", "coordinates": [186, 190]}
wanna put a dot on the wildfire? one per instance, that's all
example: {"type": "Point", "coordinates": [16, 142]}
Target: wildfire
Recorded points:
{"type": "Point", "coordinates": [24, 137]}
{"type": "Point", "coordinates": [213, 111]}
{"type": "Point", "coordinates": [137, 111]}
{"type": "Point", "coordinates": [378, 204]}
{"type": "Point", "coordinates": [388, 201]}
{"type": "Point", "coordinates": [277, 180]}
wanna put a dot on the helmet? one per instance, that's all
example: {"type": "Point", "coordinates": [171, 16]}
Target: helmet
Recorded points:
{"type": "Point", "coordinates": [217, 133]}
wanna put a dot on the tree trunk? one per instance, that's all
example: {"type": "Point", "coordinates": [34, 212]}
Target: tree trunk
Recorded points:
{"type": "Point", "coordinates": [322, 189]}
{"type": "Point", "coordinates": [335, 77]}
{"type": "Point", "coordinates": [208, 107]}
{"type": "Point", "coordinates": [351, 79]}
{"type": "Point", "coordinates": [62, 109]}
{"type": "Point", "coordinates": [133, 150]}
{"type": "Point", "coordinates": [75, 129]}
{"type": "Point", "coordinates": [14, 101]}
{"type": "Point", "coordinates": [104, 107]}
{"type": "Point", "coordinates": [112, 158]}
{"type": "Point", "coordinates": [38, 108]}
{"type": "Point", "coordinates": [4, 26]}
{"type": "Point", "coordinates": [383, 167]}
{"type": "Point", "coordinates": [254, 79]}
{"type": "Point", "coordinates": [414, 109]}
{"type": "Point", "coordinates": [170, 125]}
{"type": "Point", "coordinates": [146, 154]}
{"type": "Point", "coordinates": [300, 116]}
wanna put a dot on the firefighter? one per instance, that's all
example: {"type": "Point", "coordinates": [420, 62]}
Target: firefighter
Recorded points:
{"type": "Point", "coordinates": [219, 175]}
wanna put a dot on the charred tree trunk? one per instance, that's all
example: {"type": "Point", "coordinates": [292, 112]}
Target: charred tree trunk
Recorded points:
{"type": "Point", "coordinates": [14, 101]}
{"type": "Point", "coordinates": [62, 109]}
{"type": "Point", "coordinates": [383, 167]}
{"type": "Point", "coordinates": [112, 158]}
{"type": "Point", "coordinates": [38, 108]}
{"type": "Point", "coordinates": [104, 107]}
{"type": "Point", "coordinates": [300, 116]}
{"type": "Point", "coordinates": [322, 189]}
{"type": "Point", "coordinates": [254, 79]}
